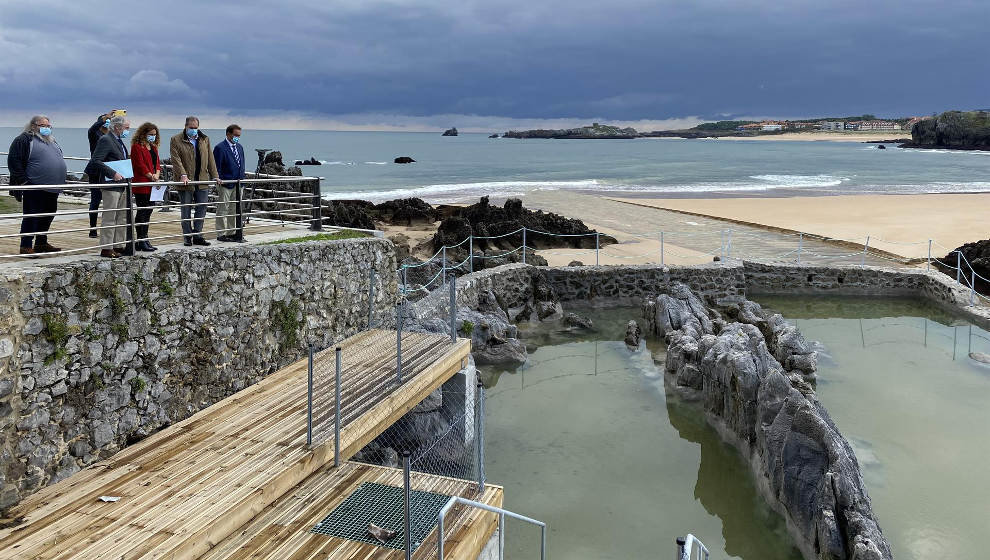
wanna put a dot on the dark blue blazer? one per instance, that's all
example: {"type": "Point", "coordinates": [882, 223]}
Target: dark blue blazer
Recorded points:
{"type": "Point", "coordinates": [228, 168]}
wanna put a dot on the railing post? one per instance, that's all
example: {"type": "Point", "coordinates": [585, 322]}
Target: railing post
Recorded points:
{"type": "Point", "coordinates": [501, 535]}
{"type": "Point", "coordinates": [661, 249]}
{"type": "Point", "coordinates": [453, 308]}
{"type": "Point", "coordinates": [336, 409]}
{"type": "Point", "coordinates": [131, 234]}
{"type": "Point", "coordinates": [728, 245]}
{"type": "Point", "coordinates": [398, 343]}
{"type": "Point", "coordinates": [471, 253]}
{"type": "Point", "coordinates": [722, 249]}
{"type": "Point", "coordinates": [524, 245]}
{"type": "Point", "coordinates": [309, 400]}
{"type": "Point", "coordinates": [958, 266]}
{"type": "Point", "coordinates": [680, 548]}
{"type": "Point", "coordinates": [443, 263]}
{"type": "Point", "coordinates": [371, 297]}
{"type": "Point", "coordinates": [597, 245]}
{"type": "Point", "coordinates": [317, 224]}
{"type": "Point", "coordinates": [972, 287]}
{"type": "Point", "coordinates": [929, 265]}
{"type": "Point", "coordinates": [479, 434]}
{"type": "Point", "coordinates": [866, 247]}
{"type": "Point", "coordinates": [407, 523]}
{"type": "Point", "coordinates": [239, 220]}
{"type": "Point", "coordinates": [405, 279]}
{"type": "Point", "coordinates": [800, 245]}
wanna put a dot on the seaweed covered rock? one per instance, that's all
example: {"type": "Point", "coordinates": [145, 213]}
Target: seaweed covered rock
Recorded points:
{"type": "Point", "coordinates": [406, 211]}
{"type": "Point", "coordinates": [805, 466]}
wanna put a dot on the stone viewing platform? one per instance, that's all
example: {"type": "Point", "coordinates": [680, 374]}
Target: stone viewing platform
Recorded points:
{"type": "Point", "coordinates": [228, 482]}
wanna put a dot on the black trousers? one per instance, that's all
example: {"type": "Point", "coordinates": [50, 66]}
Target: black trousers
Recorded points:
{"type": "Point", "coordinates": [95, 197]}
{"type": "Point", "coordinates": [143, 215]}
{"type": "Point", "coordinates": [37, 202]}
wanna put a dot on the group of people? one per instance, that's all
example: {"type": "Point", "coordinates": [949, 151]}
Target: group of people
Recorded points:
{"type": "Point", "coordinates": [35, 158]}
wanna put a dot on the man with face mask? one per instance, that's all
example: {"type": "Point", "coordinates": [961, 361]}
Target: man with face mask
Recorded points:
{"type": "Point", "coordinates": [98, 129]}
{"type": "Point", "coordinates": [229, 155]}
{"type": "Point", "coordinates": [35, 158]}
{"type": "Point", "coordinates": [114, 224]}
{"type": "Point", "coordinates": [192, 160]}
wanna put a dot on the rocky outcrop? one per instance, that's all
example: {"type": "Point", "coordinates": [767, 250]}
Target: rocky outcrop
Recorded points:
{"type": "Point", "coordinates": [634, 334]}
{"type": "Point", "coordinates": [785, 342]}
{"type": "Point", "coordinates": [573, 321]}
{"type": "Point", "coordinates": [404, 159]}
{"type": "Point", "coordinates": [803, 464]}
{"type": "Point", "coordinates": [406, 211]}
{"type": "Point", "coordinates": [977, 254]}
{"type": "Point", "coordinates": [595, 131]}
{"type": "Point", "coordinates": [956, 130]}
{"type": "Point", "coordinates": [450, 132]}
{"type": "Point", "coordinates": [542, 303]}
{"type": "Point", "coordinates": [493, 136]}
{"type": "Point", "coordinates": [310, 161]}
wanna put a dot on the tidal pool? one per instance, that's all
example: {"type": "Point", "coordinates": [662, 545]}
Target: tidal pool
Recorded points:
{"type": "Point", "coordinates": [584, 437]}
{"type": "Point", "coordinates": [903, 389]}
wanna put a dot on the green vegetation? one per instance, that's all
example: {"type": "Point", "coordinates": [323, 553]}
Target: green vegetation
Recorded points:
{"type": "Point", "coordinates": [119, 329]}
{"type": "Point", "coordinates": [285, 320]}
{"type": "Point", "coordinates": [337, 235]}
{"type": "Point", "coordinates": [166, 287]}
{"type": "Point", "coordinates": [722, 125]}
{"type": "Point", "coordinates": [467, 327]}
{"type": "Point", "coordinates": [954, 129]}
{"type": "Point", "coordinates": [138, 384]}
{"type": "Point", "coordinates": [57, 332]}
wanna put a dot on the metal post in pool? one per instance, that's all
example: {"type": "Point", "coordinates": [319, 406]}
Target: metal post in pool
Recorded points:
{"type": "Point", "coordinates": [866, 247]}
{"type": "Point", "coordinates": [309, 400]}
{"type": "Point", "coordinates": [661, 248]}
{"type": "Point", "coordinates": [524, 245]}
{"type": "Point", "coordinates": [800, 245]}
{"type": "Point", "coordinates": [398, 343]}
{"type": "Point", "coordinates": [407, 493]}
{"type": "Point", "coordinates": [597, 245]}
{"type": "Point", "coordinates": [728, 245]}
{"type": "Point", "coordinates": [336, 409]}
{"type": "Point", "coordinates": [479, 433]}
{"type": "Point", "coordinates": [453, 308]}
{"type": "Point", "coordinates": [722, 249]}
{"type": "Point", "coordinates": [929, 265]}
{"type": "Point", "coordinates": [371, 297]}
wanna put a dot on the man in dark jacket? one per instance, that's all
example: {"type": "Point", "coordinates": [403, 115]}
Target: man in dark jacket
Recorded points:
{"type": "Point", "coordinates": [35, 158]}
{"type": "Point", "coordinates": [114, 226]}
{"type": "Point", "coordinates": [229, 155]}
{"type": "Point", "coordinates": [94, 133]}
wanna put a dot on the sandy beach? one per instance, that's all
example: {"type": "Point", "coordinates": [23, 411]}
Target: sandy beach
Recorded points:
{"type": "Point", "coordinates": [820, 136]}
{"type": "Point", "coordinates": [899, 224]}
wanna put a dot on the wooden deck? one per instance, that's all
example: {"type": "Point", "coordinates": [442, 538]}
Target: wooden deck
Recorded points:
{"type": "Point", "coordinates": [190, 487]}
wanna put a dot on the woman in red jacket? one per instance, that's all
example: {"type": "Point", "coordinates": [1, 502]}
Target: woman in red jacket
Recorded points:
{"type": "Point", "coordinates": [147, 168]}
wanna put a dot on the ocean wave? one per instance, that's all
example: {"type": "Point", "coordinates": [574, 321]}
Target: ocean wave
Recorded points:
{"type": "Point", "coordinates": [336, 162]}
{"type": "Point", "coordinates": [376, 163]}
{"type": "Point", "coordinates": [793, 181]}
{"type": "Point", "coordinates": [450, 192]}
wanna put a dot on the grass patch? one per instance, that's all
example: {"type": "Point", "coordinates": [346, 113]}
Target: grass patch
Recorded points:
{"type": "Point", "coordinates": [138, 384]}
{"type": "Point", "coordinates": [57, 332]}
{"type": "Point", "coordinates": [284, 320]}
{"type": "Point", "coordinates": [335, 236]}
{"type": "Point", "coordinates": [467, 327]}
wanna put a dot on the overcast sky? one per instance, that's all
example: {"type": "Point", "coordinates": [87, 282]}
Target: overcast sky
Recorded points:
{"type": "Point", "coordinates": [490, 64]}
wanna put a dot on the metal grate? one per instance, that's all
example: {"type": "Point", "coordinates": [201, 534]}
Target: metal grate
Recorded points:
{"type": "Point", "coordinates": [382, 505]}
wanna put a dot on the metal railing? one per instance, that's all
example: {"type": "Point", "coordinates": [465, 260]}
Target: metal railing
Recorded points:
{"type": "Point", "coordinates": [966, 275]}
{"type": "Point", "coordinates": [690, 548]}
{"type": "Point", "coordinates": [502, 514]}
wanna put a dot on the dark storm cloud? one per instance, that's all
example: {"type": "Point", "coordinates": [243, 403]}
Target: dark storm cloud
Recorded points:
{"type": "Point", "coordinates": [623, 59]}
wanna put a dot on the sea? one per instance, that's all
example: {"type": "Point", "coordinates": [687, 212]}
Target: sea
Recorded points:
{"type": "Point", "coordinates": [359, 165]}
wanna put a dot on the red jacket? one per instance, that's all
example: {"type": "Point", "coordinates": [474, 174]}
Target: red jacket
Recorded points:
{"type": "Point", "coordinates": [141, 161]}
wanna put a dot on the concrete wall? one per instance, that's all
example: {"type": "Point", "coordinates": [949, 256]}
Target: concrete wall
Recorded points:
{"type": "Point", "coordinates": [96, 353]}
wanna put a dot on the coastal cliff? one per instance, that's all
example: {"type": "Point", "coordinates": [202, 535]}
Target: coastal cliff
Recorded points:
{"type": "Point", "coordinates": [956, 130]}
{"type": "Point", "coordinates": [754, 377]}
{"type": "Point", "coordinates": [595, 131]}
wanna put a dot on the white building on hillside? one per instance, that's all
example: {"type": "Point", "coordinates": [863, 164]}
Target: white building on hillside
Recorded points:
{"type": "Point", "coordinates": [879, 125]}
{"type": "Point", "coordinates": [833, 125]}
{"type": "Point", "coordinates": [772, 127]}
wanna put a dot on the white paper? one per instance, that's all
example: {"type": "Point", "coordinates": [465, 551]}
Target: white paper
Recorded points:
{"type": "Point", "coordinates": [158, 193]}
{"type": "Point", "coordinates": [122, 166]}
{"type": "Point", "coordinates": [109, 498]}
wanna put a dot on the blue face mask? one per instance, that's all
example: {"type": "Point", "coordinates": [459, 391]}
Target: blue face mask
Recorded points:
{"type": "Point", "coordinates": [192, 132]}
{"type": "Point", "coordinates": [45, 130]}
{"type": "Point", "coordinates": [125, 133]}
{"type": "Point", "coordinates": [236, 140]}
{"type": "Point", "coordinates": [106, 123]}
{"type": "Point", "coordinates": [151, 138]}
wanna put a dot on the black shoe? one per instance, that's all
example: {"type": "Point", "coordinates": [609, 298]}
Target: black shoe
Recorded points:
{"type": "Point", "coordinates": [238, 239]}
{"type": "Point", "coordinates": [93, 234]}
{"type": "Point", "coordinates": [198, 240]}
{"type": "Point", "coordinates": [148, 247]}
{"type": "Point", "coordinates": [144, 246]}
{"type": "Point", "coordinates": [224, 239]}
{"type": "Point", "coordinates": [187, 241]}
{"type": "Point", "coordinates": [125, 252]}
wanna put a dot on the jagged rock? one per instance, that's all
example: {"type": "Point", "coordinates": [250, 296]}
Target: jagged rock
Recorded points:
{"type": "Point", "coordinates": [575, 321]}
{"type": "Point", "coordinates": [575, 263]}
{"type": "Point", "coordinates": [493, 136]}
{"type": "Point", "coordinates": [310, 161]}
{"type": "Point", "coordinates": [881, 147]}
{"type": "Point", "coordinates": [404, 159]}
{"type": "Point", "coordinates": [406, 211]}
{"type": "Point", "coordinates": [776, 419]}
{"type": "Point", "coordinates": [783, 338]}
{"type": "Point", "coordinates": [633, 334]}
{"type": "Point", "coordinates": [450, 132]}
{"type": "Point", "coordinates": [511, 352]}
{"type": "Point", "coordinates": [980, 358]}
{"type": "Point", "coordinates": [977, 254]}
{"type": "Point", "coordinates": [402, 248]}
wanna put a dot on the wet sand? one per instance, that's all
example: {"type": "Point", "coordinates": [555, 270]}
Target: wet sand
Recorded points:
{"type": "Point", "coordinates": [899, 224]}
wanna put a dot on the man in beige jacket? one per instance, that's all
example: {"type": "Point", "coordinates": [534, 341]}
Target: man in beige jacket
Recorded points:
{"type": "Point", "coordinates": [192, 160]}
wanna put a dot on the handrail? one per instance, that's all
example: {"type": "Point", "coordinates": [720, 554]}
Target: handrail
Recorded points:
{"type": "Point", "coordinates": [686, 546]}
{"type": "Point", "coordinates": [502, 513]}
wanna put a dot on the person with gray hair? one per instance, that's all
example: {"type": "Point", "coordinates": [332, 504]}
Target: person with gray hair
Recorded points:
{"type": "Point", "coordinates": [35, 158]}
{"type": "Point", "coordinates": [116, 218]}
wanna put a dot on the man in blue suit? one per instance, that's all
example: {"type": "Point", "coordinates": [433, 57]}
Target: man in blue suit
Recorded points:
{"type": "Point", "coordinates": [229, 156]}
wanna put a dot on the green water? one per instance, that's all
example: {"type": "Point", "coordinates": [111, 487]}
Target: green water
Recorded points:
{"type": "Point", "coordinates": [902, 389]}
{"type": "Point", "coordinates": [585, 438]}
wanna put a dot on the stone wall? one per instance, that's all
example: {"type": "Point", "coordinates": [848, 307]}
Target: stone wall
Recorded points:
{"type": "Point", "coordinates": [630, 285]}
{"type": "Point", "coordinates": [96, 353]}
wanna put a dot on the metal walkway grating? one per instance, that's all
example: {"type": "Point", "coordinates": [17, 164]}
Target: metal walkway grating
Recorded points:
{"type": "Point", "coordinates": [382, 505]}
